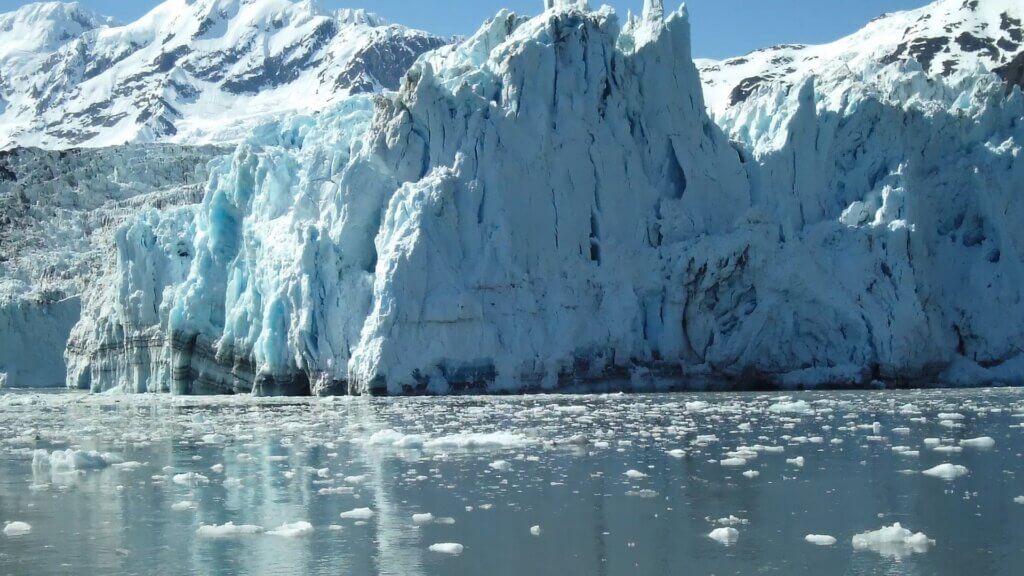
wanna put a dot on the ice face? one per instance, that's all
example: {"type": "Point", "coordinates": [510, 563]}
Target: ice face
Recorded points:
{"type": "Point", "coordinates": [390, 246]}
{"type": "Point", "coordinates": [548, 204]}
{"type": "Point", "coordinates": [56, 239]}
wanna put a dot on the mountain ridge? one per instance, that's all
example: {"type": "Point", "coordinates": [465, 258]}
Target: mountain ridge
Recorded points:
{"type": "Point", "coordinates": [188, 71]}
{"type": "Point", "coordinates": [947, 38]}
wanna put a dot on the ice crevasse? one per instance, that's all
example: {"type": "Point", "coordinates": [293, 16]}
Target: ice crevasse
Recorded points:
{"type": "Point", "coordinates": [548, 204]}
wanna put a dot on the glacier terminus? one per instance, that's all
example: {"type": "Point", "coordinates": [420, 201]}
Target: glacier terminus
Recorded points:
{"type": "Point", "coordinates": [563, 201]}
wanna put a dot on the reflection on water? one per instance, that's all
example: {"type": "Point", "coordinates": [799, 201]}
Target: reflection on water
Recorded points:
{"type": "Point", "coordinates": [617, 484]}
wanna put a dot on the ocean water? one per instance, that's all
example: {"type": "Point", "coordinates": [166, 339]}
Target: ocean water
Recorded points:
{"type": "Point", "coordinates": [593, 485]}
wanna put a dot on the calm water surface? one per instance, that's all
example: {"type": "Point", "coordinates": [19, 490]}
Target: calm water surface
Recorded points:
{"type": "Point", "coordinates": [616, 484]}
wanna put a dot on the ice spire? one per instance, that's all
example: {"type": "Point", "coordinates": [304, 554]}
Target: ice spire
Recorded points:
{"type": "Point", "coordinates": [654, 10]}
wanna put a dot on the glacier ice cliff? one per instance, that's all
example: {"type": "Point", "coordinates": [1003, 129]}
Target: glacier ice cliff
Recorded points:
{"type": "Point", "coordinates": [58, 211]}
{"type": "Point", "coordinates": [548, 204]}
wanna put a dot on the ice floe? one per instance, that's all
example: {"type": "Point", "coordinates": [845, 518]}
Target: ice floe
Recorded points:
{"type": "Point", "coordinates": [893, 541]}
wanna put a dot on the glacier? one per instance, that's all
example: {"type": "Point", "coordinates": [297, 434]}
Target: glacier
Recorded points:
{"type": "Point", "coordinates": [58, 213]}
{"type": "Point", "coordinates": [549, 204]}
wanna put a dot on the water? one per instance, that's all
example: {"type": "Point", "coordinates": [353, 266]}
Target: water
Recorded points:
{"type": "Point", "coordinates": [498, 467]}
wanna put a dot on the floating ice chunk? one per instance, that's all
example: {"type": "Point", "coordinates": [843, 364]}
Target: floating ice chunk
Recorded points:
{"type": "Point", "coordinates": [950, 416]}
{"type": "Point", "coordinates": [947, 471]}
{"type": "Point", "coordinates": [796, 407]}
{"type": "Point", "coordinates": [501, 465]}
{"type": "Point", "coordinates": [478, 441]}
{"type": "Point", "coordinates": [1019, 500]}
{"type": "Point", "coordinates": [727, 536]}
{"type": "Point", "coordinates": [820, 539]}
{"type": "Point", "coordinates": [358, 514]}
{"type": "Point", "coordinates": [396, 439]}
{"type": "Point", "coordinates": [635, 474]}
{"type": "Point", "coordinates": [217, 468]}
{"type": "Point", "coordinates": [732, 520]}
{"type": "Point", "coordinates": [751, 474]}
{"type": "Point", "coordinates": [292, 530]}
{"type": "Point", "coordinates": [214, 439]}
{"type": "Point", "coordinates": [183, 506]}
{"type": "Point", "coordinates": [948, 449]}
{"type": "Point", "coordinates": [732, 462]}
{"type": "Point", "coordinates": [677, 453]}
{"type": "Point", "coordinates": [422, 519]}
{"type": "Point", "coordinates": [16, 528]}
{"type": "Point", "coordinates": [984, 443]}
{"type": "Point", "coordinates": [190, 479]}
{"type": "Point", "coordinates": [932, 441]}
{"type": "Point", "coordinates": [697, 406]}
{"type": "Point", "coordinates": [337, 490]}
{"type": "Point", "coordinates": [450, 548]}
{"type": "Point", "coordinates": [229, 530]}
{"type": "Point", "coordinates": [75, 460]}
{"type": "Point", "coordinates": [127, 466]}
{"type": "Point", "coordinates": [903, 431]}
{"type": "Point", "coordinates": [893, 541]}
{"type": "Point", "coordinates": [645, 493]}
{"type": "Point", "coordinates": [535, 530]}
{"type": "Point", "coordinates": [798, 461]}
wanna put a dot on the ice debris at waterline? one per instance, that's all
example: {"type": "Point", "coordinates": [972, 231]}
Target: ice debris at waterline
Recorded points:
{"type": "Point", "coordinates": [895, 541]}
{"type": "Point", "coordinates": [820, 539]}
{"type": "Point", "coordinates": [450, 548]}
{"type": "Point", "coordinates": [16, 528]}
{"type": "Point", "coordinates": [547, 204]}
{"type": "Point", "coordinates": [309, 478]}
{"type": "Point", "coordinates": [292, 530]}
{"type": "Point", "coordinates": [947, 471]}
{"type": "Point", "coordinates": [229, 530]}
{"type": "Point", "coordinates": [727, 535]}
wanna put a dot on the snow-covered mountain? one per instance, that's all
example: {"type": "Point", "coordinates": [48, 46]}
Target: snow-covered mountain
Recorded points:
{"type": "Point", "coordinates": [949, 39]}
{"type": "Point", "coordinates": [189, 71]}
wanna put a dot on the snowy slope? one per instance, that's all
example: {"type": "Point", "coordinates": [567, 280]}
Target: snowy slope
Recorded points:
{"type": "Point", "coordinates": [189, 71]}
{"type": "Point", "coordinates": [549, 204]}
{"type": "Point", "coordinates": [948, 39]}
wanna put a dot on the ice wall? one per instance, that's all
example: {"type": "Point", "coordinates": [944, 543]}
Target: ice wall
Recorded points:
{"type": "Point", "coordinates": [33, 333]}
{"type": "Point", "coordinates": [548, 204]}
{"type": "Point", "coordinates": [58, 212]}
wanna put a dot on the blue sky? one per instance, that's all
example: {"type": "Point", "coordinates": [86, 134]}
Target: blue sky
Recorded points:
{"type": "Point", "coordinates": [721, 27]}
